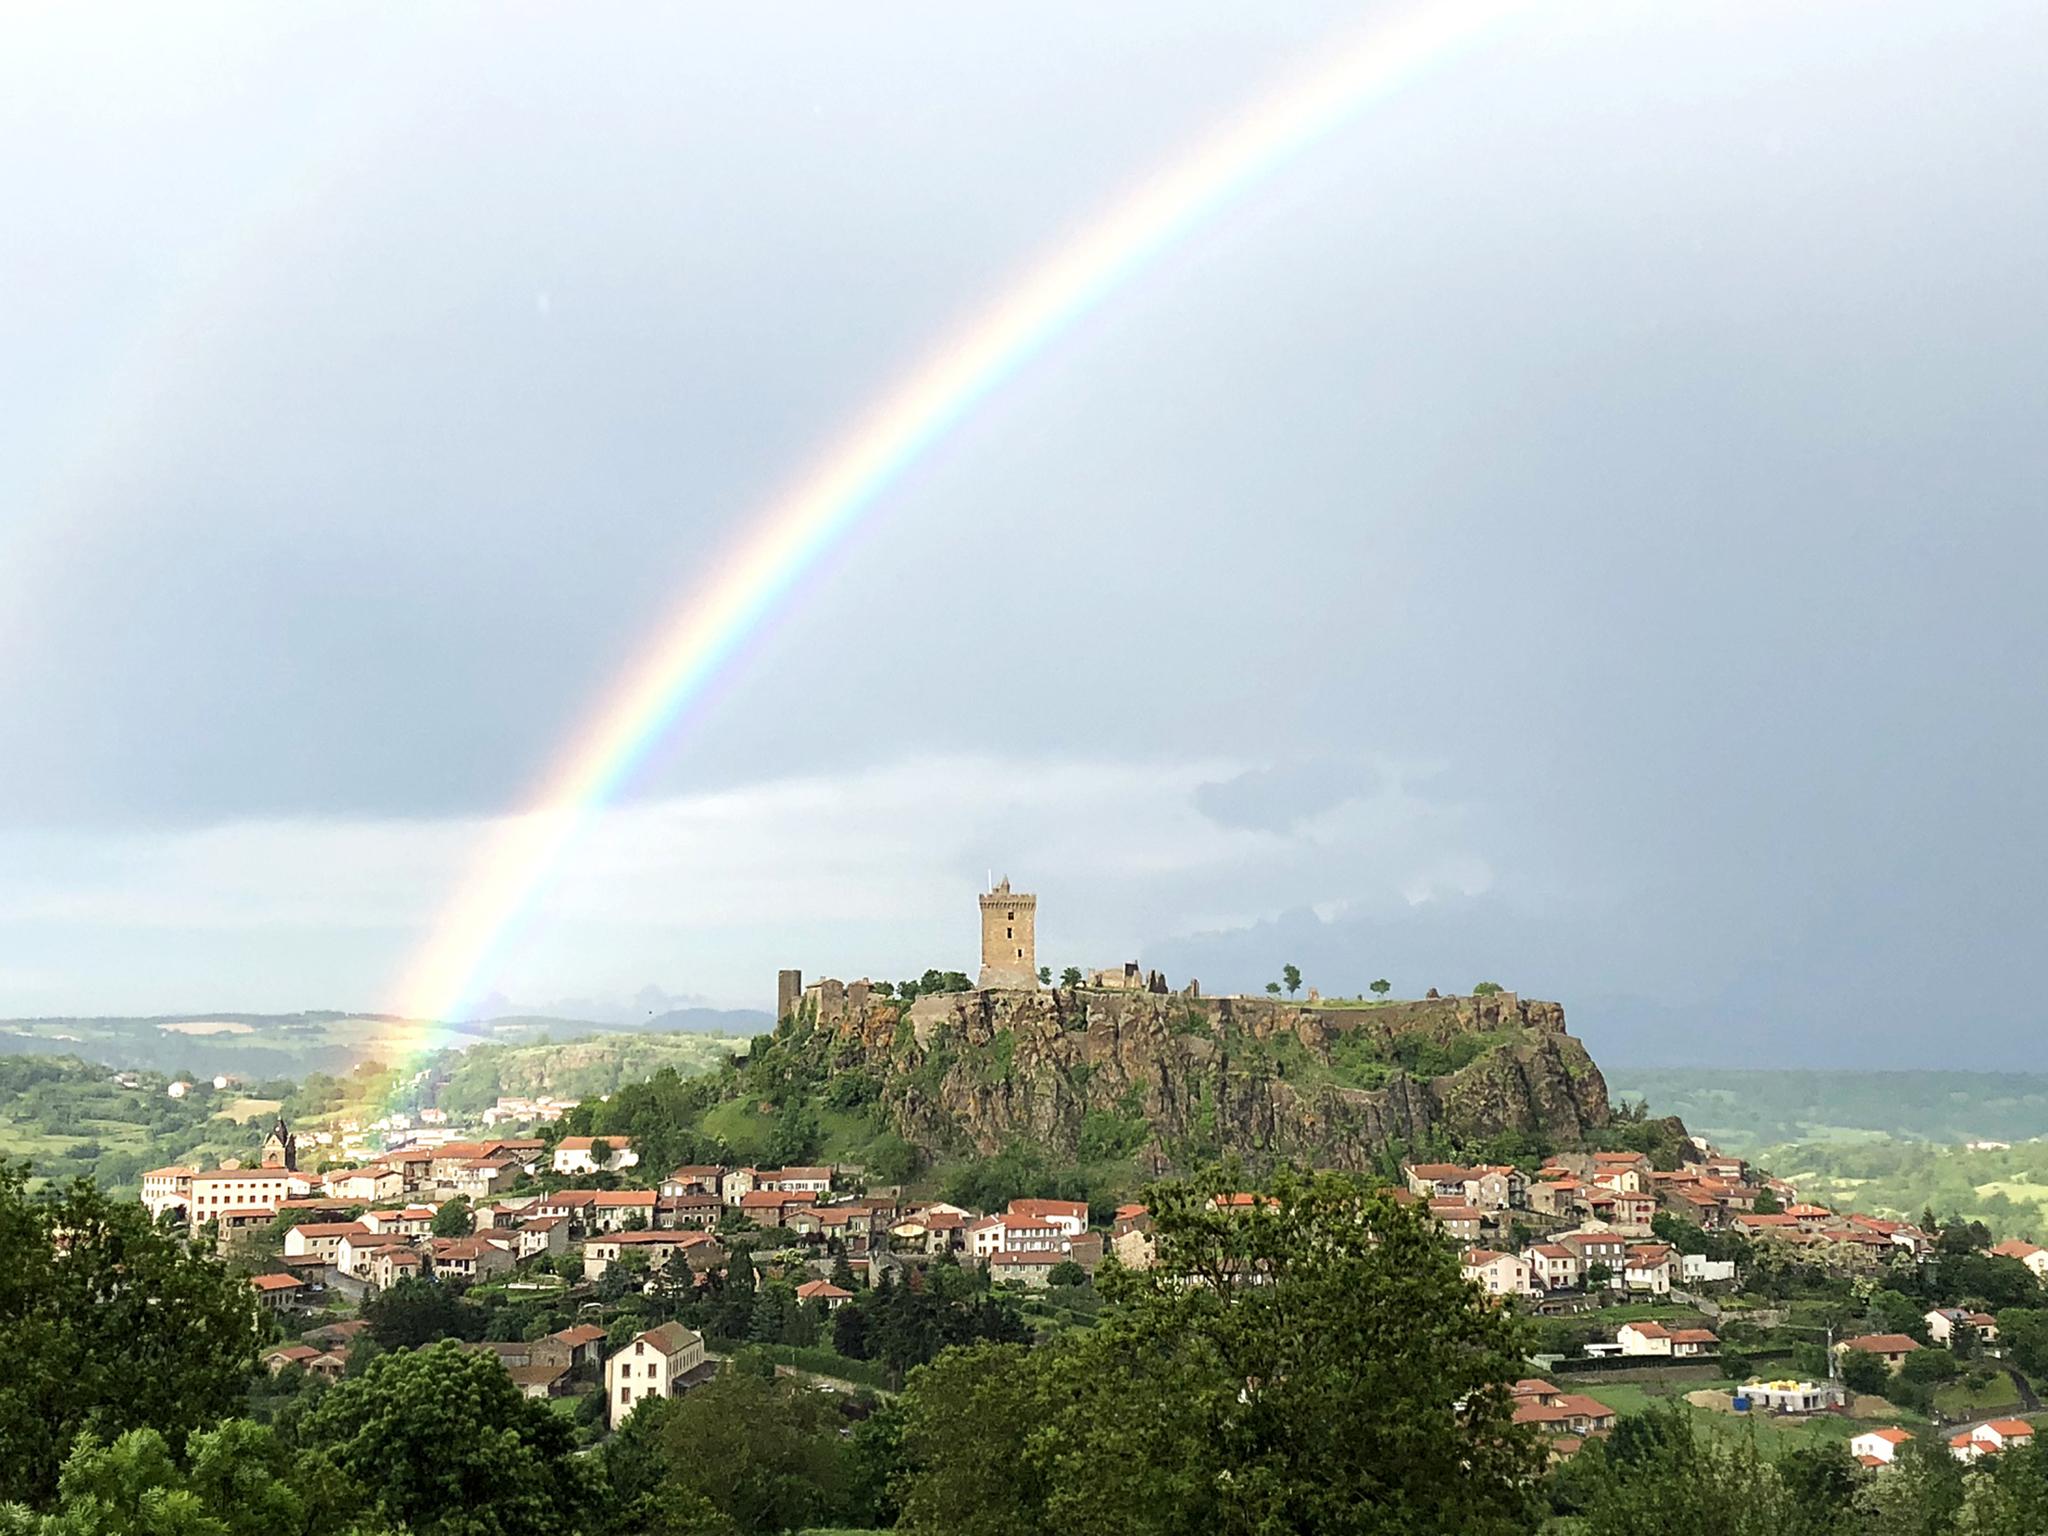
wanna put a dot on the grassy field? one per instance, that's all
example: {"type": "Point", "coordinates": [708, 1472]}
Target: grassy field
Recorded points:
{"type": "Point", "coordinates": [1958, 1401]}
{"type": "Point", "coordinates": [1774, 1434]}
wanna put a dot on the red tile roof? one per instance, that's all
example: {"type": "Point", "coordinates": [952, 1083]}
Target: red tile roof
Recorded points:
{"type": "Point", "coordinates": [1883, 1344]}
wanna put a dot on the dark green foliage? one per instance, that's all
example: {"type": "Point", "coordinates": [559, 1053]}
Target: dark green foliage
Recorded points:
{"type": "Point", "coordinates": [1221, 1406]}
{"type": "Point", "coordinates": [440, 1442]}
{"type": "Point", "coordinates": [2023, 1331]}
{"type": "Point", "coordinates": [454, 1218]}
{"type": "Point", "coordinates": [657, 1115]}
{"type": "Point", "coordinates": [1862, 1372]}
{"type": "Point", "coordinates": [900, 1326]}
{"type": "Point", "coordinates": [759, 1454]}
{"type": "Point", "coordinates": [417, 1312]}
{"type": "Point", "coordinates": [122, 1329]}
{"type": "Point", "coordinates": [1656, 1475]}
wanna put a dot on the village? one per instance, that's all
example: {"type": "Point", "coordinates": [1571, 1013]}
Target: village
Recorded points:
{"type": "Point", "coordinates": [1574, 1238]}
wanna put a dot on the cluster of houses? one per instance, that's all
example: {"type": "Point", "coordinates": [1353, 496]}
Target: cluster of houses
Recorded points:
{"type": "Point", "coordinates": [661, 1362]}
{"type": "Point", "coordinates": [1587, 1222]}
{"type": "Point", "coordinates": [1880, 1447]}
{"type": "Point", "coordinates": [369, 1226]}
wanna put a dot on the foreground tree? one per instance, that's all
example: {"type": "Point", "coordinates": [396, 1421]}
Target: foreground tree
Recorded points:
{"type": "Point", "coordinates": [1656, 1476]}
{"type": "Point", "coordinates": [440, 1442]}
{"type": "Point", "coordinates": [759, 1454]}
{"type": "Point", "coordinates": [109, 1322]}
{"type": "Point", "coordinates": [1313, 1365]}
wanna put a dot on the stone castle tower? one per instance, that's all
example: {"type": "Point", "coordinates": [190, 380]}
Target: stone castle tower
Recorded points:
{"type": "Point", "coordinates": [1009, 938]}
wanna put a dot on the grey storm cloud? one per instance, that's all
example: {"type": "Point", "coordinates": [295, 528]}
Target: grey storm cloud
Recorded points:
{"type": "Point", "coordinates": [1577, 525]}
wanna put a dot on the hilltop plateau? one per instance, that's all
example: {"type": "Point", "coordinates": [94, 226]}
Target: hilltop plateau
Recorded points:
{"type": "Point", "coordinates": [1175, 1079]}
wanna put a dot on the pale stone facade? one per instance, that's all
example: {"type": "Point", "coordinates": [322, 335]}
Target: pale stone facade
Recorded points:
{"type": "Point", "coordinates": [1009, 938]}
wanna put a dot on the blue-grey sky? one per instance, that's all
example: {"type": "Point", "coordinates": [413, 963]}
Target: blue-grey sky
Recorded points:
{"type": "Point", "coordinates": [1580, 525]}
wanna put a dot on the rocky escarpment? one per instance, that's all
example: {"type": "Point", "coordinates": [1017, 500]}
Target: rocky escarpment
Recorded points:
{"type": "Point", "coordinates": [1175, 1079]}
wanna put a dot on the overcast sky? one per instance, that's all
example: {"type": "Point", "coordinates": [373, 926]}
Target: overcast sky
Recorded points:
{"type": "Point", "coordinates": [1581, 525]}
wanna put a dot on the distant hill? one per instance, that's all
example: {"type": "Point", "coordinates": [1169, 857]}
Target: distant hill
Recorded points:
{"type": "Point", "coordinates": [259, 1046]}
{"type": "Point", "coordinates": [1745, 1110]}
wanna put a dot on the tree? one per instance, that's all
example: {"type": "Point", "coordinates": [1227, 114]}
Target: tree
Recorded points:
{"type": "Point", "coordinates": [1291, 974]}
{"type": "Point", "coordinates": [416, 1312]}
{"type": "Point", "coordinates": [455, 1218]}
{"type": "Point", "coordinates": [1071, 976]}
{"type": "Point", "coordinates": [1045, 975]}
{"type": "Point", "coordinates": [764, 1454]}
{"type": "Point", "coordinates": [237, 1485]}
{"type": "Point", "coordinates": [1864, 1372]}
{"type": "Point", "coordinates": [1736, 1366]}
{"type": "Point", "coordinates": [124, 1328]}
{"type": "Point", "coordinates": [1766, 1203]}
{"type": "Point", "coordinates": [2024, 1333]}
{"type": "Point", "coordinates": [1381, 988]}
{"type": "Point", "coordinates": [1256, 1345]}
{"type": "Point", "coordinates": [1066, 1274]}
{"type": "Point", "coordinates": [1598, 1275]}
{"type": "Point", "coordinates": [1273, 987]}
{"type": "Point", "coordinates": [1487, 989]}
{"type": "Point", "coordinates": [441, 1442]}
{"type": "Point", "coordinates": [967, 1423]}
{"type": "Point", "coordinates": [1657, 1473]}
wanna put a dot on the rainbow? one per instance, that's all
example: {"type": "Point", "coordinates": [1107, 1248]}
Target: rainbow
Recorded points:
{"type": "Point", "coordinates": [788, 538]}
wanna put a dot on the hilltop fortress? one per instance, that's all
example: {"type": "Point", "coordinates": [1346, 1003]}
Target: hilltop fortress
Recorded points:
{"type": "Point", "coordinates": [1122, 1066]}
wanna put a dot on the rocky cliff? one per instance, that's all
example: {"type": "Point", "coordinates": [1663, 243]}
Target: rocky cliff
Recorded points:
{"type": "Point", "coordinates": [1174, 1079]}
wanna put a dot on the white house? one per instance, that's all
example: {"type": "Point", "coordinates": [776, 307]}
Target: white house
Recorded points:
{"type": "Point", "coordinates": [1989, 1438]}
{"type": "Point", "coordinates": [1698, 1269]}
{"type": "Point", "coordinates": [167, 1189]}
{"type": "Point", "coordinates": [1877, 1447]}
{"type": "Point", "coordinates": [1014, 1234]}
{"type": "Point", "coordinates": [1498, 1274]}
{"type": "Point", "coordinates": [2033, 1255]}
{"type": "Point", "coordinates": [1555, 1266]}
{"type": "Point", "coordinates": [1648, 1268]}
{"type": "Point", "coordinates": [795, 1181]}
{"type": "Point", "coordinates": [1656, 1339]}
{"type": "Point", "coordinates": [365, 1184]}
{"type": "Point", "coordinates": [1942, 1323]}
{"type": "Point", "coordinates": [241, 1189]}
{"type": "Point", "coordinates": [572, 1154]}
{"type": "Point", "coordinates": [1069, 1216]}
{"type": "Point", "coordinates": [322, 1239]}
{"type": "Point", "coordinates": [656, 1363]}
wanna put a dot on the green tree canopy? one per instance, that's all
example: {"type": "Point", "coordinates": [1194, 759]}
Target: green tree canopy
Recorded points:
{"type": "Point", "coordinates": [118, 1327]}
{"type": "Point", "coordinates": [441, 1442]}
{"type": "Point", "coordinates": [1315, 1366]}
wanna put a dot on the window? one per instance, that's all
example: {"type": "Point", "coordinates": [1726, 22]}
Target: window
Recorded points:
{"type": "Point", "coordinates": [625, 1394]}
{"type": "Point", "coordinates": [1009, 933]}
